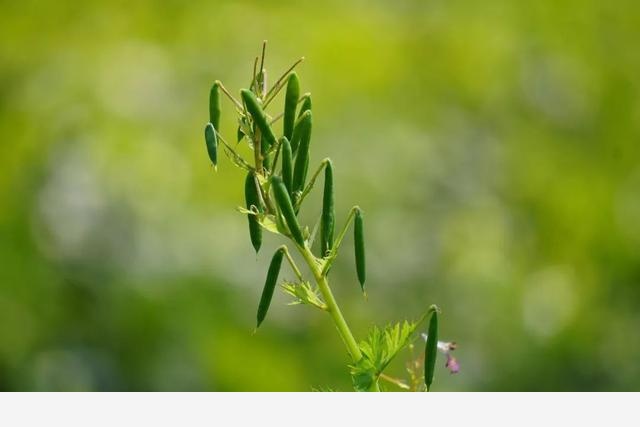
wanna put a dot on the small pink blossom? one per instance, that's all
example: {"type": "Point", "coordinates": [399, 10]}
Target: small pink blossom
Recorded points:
{"type": "Point", "coordinates": [446, 348]}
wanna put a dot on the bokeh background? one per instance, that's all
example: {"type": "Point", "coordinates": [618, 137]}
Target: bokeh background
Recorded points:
{"type": "Point", "coordinates": [494, 146]}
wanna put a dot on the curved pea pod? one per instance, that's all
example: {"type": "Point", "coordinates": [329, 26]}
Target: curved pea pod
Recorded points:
{"type": "Point", "coordinates": [260, 119]}
{"type": "Point", "coordinates": [214, 105]}
{"type": "Point", "coordinates": [303, 122]}
{"type": "Point", "coordinates": [290, 104]}
{"type": "Point", "coordinates": [269, 285]}
{"type": "Point", "coordinates": [286, 208]}
{"type": "Point", "coordinates": [306, 105]}
{"type": "Point", "coordinates": [211, 138]}
{"type": "Point", "coordinates": [287, 164]}
{"type": "Point", "coordinates": [328, 214]}
{"type": "Point", "coordinates": [358, 238]}
{"type": "Point", "coordinates": [252, 198]}
{"type": "Point", "coordinates": [302, 156]}
{"type": "Point", "coordinates": [431, 350]}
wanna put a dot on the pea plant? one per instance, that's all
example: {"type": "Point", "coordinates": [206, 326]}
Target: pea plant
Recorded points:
{"type": "Point", "coordinates": [275, 190]}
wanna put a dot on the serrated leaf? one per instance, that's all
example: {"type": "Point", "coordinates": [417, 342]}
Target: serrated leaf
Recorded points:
{"type": "Point", "coordinates": [381, 346]}
{"type": "Point", "coordinates": [363, 374]}
{"type": "Point", "coordinates": [304, 293]}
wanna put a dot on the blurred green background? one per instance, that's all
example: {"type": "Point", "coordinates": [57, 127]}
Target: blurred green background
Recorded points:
{"type": "Point", "coordinates": [494, 146]}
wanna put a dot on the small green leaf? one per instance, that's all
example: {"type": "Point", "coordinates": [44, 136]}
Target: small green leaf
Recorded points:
{"type": "Point", "coordinates": [363, 374]}
{"type": "Point", "coordinates": [267, 222]}
{"type": "Point", "coordinates": [382, 346]}
{"type": "Point", "coordinates": [304, 293]}
{"type": "Point", "coordinates": [239, 134]}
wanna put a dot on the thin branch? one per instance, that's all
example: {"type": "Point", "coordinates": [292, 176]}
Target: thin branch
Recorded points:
{"type": "Point", "coordinates": [312, 182]}
{"type": "Point", "coordinates": [338, 241]}
{"type": "Point", "coordinates": [294, 267]}
{"type": "Point", "coordinates": [237, 103]}
{"type": "Point", "coordinates": [279, 83]}
{"type": "Point", "coordinates": [264, 50]}
{"type": "Point", "coordinates": [395, 381]}
{"type": "Point", "coordinates": [237, 156]}
{"type": "Point", "coordinates": [281, 115]}
{"type": "Point", "coordinates": [253, 81]}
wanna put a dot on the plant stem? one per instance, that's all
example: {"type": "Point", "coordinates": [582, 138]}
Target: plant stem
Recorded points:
{"type": "Point", "coordinates": [333, 309]}
{"type": "Point", "coordinates": [332, 306]}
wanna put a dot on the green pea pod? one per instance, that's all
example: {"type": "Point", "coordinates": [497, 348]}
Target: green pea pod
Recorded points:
{"type": "Point", "coordinates": [304, 172]}
{"type": "Point", "coordinates": [358, 238]}
{"type": "Point", "coordinates": [260, 119]}
{"type": "Point", "coordinates": [269, 285]}
{"type": "Point", "coordinates": [290, 104]}
{"type": "Point", "coordinates": [284, 203]}
{"type": "Point", "coordinates": [214, 106]}
{"type": "Point", "coordinates": [266, 163]}
{"type": "Point", "coordinates": [302, 156]}
{"type": "Point", "coordinates": [287, 164]}
{"type": "Point", "coordinates": [328, 214]}
{"type": "Point", "coordinates": [431, 350]}
{"type": "Point", "coordinates": [211, 138]}
{"type": "Point", "coordinates": [252, 198]}
{"type": "Point", "coordinates": [306, 105]}
{"type": "Point", "coordinates": [301, 125]}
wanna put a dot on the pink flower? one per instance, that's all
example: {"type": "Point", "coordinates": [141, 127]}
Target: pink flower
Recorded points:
{"type": "Point", "coordinates": [446, 348]}
{"type": "Point", "coordinates": [452, 364]}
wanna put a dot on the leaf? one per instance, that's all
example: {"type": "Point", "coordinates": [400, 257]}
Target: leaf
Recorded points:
{"type": "Point", "coordinates": [380, 347]}
{"type": "Point", "coordinates": [268, 223]}
{"type": "Point", "coordinates": [244, 129]}
{"type": "Point", "coordinates": [246, 211]}
{"type": "Point", "coordinates": [304, 293]}
{"type": "Point", "coordinates": [363, 374]}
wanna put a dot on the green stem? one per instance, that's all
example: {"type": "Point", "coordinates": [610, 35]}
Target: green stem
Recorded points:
{"type": "Point", "coordinates": [333, 309]}
{"type": "Point", "coordinates": [312, 182]}
{"type": "Point", "coordinates": [294, 267]}
{"type": "Point", "coordinates": [332, 306]}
